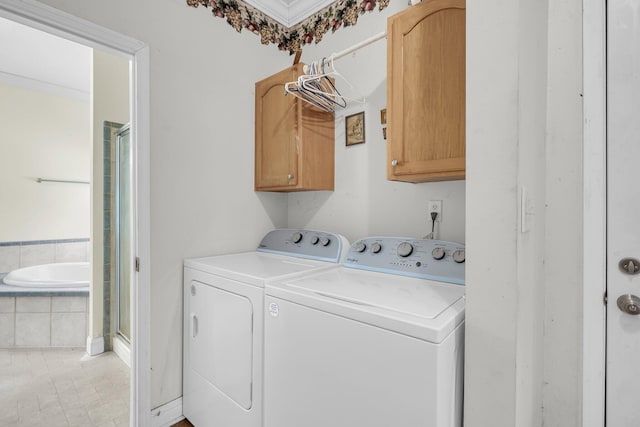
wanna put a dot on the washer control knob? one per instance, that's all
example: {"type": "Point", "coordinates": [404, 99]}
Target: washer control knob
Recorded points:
{"type": "Point", "coordinates": [296, 237]}
{"type": "Point", "coordinates": [315, 240]}
{"type": "Point", "coordinates": [404, 249]}
{"type": "Point", "coordinates": [438, 253]}
{"type": "Point", "coordinates": [376, 248]}
{"type": "Point", "coordinates": [324, 241]}
{"type": "Point", "coordinates": [458, 256]}
{"type": "Point", "coordinates": [360, 247]}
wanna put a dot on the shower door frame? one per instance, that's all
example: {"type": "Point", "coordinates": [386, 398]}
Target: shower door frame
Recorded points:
{"type": "Point", "coordinates": [119, 273]}
{"type": "Point", "coordinates": [70, 27]}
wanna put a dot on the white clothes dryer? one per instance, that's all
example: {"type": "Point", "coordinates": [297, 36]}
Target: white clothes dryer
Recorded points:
{"type": "Point", "coordinates": [377, 342]}
{"type": "Point", "coordinates": [223, 322]}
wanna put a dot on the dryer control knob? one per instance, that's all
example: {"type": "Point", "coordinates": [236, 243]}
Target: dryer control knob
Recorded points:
{"type": "Point", "coordinates": [360, 247]}
{"type": "Point", "coordinates": [458, 256]}
{"type": "Point", "coordinates": [324, 241]}
{"type": "Point", "coordinates": [438, 253]}
{"type": "Point", "coordinates": [405, 249]}
{"type": "Point", "coordinates": [376, 248]}
{"type": "Point", "coordinates": [296, 237]}
{"type": "Point", "coordinates": [315, 240]}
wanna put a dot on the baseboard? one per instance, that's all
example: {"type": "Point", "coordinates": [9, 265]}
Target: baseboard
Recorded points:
{"type": "Point", "coordinates": [95, 345]}
{"type": "Point", "coordinates": [122, 349]}
{"type": "Point", "coordinates": [167, 414]}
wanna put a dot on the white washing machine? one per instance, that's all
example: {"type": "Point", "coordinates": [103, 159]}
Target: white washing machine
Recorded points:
{"type": "Point", "coordinates": [223, 322]}
{"type": "Point", "coordinates": [378, 342]}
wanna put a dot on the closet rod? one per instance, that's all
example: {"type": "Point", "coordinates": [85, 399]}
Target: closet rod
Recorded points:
{"type": "Point", "coordinates": [359, 45]}
{"type": "Point", "coordinates": [347, 51]}
{"type": "Point", "coordinates": [61, 180]}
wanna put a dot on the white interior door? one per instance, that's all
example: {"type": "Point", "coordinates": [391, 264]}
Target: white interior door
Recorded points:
{"type": "Point", "coordinates": [623, 214]}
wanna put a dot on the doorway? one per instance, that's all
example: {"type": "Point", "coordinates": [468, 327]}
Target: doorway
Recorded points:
{"type": "Point", "coordinates": [51, 20]}
{"type": "Point", "coordinates": [54, 90]}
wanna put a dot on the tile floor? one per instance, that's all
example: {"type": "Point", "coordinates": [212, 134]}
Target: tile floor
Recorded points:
{"type": "Point", "coordinates": [62, 388]}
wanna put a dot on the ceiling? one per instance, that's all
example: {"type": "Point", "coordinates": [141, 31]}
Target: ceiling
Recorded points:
{"type": "Point", "coordinates": [289, 12]}
{"type": "Point", "coordinates": [57, 65]}
{"type": "Point", "coordinates": [52, 64]}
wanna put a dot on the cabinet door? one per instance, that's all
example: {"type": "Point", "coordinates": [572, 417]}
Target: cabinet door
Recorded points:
{"type": "Point", "coordinates": [426, 92]}
{"type": "Point", "coordinates": [276, 155]}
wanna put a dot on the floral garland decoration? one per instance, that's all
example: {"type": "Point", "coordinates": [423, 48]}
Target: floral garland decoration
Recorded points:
{"type": "Point", "coordinates": [240, 15]}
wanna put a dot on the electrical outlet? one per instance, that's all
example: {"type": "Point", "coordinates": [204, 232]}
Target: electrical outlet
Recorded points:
{"type": "Point", "coordinates": [435, 206]}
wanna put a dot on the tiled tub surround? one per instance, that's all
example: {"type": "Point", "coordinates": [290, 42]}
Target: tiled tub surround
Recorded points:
{"type": "Point", "coordinates": [42, 317]}
{"type": "Point", "coordinates": [14, 255]}
{"type": "Point", "coordinates": [43, 321]}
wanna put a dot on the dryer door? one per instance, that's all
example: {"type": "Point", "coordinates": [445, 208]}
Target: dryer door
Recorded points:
{"type": "Point", "coordinates": [220, 335]}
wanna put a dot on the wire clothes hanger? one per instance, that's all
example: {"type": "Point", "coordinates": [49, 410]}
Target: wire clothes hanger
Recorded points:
{"type": "Point", "coordinates": [317, 85]}
{"type": "Point", "coordinates": [328, 70]}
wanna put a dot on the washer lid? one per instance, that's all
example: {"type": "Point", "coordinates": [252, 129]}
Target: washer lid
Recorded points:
{"type": "Point", "coordinates": [255, 268]}
{"type": "Point", "coordinates": [421, 308]}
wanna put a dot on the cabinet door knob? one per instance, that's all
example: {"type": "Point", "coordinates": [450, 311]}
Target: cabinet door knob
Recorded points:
{"type": "Point", "coordinates": [290, 176]}
{"type": "Point", "coordinates": [394, 162]}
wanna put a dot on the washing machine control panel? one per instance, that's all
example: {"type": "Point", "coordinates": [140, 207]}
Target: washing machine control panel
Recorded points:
{"type": "Point", "coordinates": [422, 258]}
{"type": "Point", "coordinates": [310, 244]}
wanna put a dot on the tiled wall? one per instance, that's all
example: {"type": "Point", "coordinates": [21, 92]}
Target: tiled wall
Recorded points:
{"type": "Point", "coordinates": [56, 321]}
{"type": "Point", "coordinates": [24, 254]}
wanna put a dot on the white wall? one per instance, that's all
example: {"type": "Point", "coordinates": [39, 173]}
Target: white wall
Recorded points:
{"type": "Point", "coordinates": [564, 219]}
{"type": "Point", "coordinates": [524, 130]}
{"type": "Point", "coordinates": [202, 199]}
{"type": "Point", "coordinates": [44, 135]}
{"type": "Point", "coordinates": [492, 135]}
{"type": "Point", "coordinates": [364, 203]}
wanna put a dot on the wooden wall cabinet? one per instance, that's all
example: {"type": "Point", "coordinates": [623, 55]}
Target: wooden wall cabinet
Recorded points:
{"type": "Point", "coordinates": [294, 141]}
{"type": "Point", "coordinates": [426, 92]}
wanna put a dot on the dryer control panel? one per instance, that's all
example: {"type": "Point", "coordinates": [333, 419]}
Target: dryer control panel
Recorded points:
{"type": "Point", "coordinates": [423, 258]}
{"type": "Point", "coordinates": [310, 244]}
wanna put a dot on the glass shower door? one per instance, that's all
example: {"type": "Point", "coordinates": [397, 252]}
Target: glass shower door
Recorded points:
{"type": "Point", "coordinates": [123, 229]}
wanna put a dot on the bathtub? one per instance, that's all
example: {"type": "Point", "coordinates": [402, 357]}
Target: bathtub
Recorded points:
{"type": "Point", "coordinates": [60, 275]}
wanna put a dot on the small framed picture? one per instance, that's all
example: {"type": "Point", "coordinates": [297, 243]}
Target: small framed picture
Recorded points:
{"type": "Point", "coordinates": [383, 116]}
{"type": "Point", "coordinates": [354, 128]}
